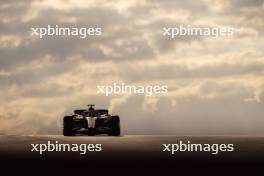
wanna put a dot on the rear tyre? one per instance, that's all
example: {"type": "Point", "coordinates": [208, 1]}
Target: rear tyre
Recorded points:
{"type": "Point", "coordinates": [68, 126]}
{"type": "Point", "coordinates": [115, 126]}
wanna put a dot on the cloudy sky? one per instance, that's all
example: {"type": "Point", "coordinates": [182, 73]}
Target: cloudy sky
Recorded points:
{"type": "Point", "coordinates": [216, 86]}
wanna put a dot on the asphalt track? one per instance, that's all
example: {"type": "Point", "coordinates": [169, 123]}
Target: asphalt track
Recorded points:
{"type": "Point", "coordinates": [130, 151]}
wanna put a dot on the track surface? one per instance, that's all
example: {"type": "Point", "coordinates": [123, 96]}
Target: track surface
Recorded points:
{"type": "Point", "coordinates": [131, 150]}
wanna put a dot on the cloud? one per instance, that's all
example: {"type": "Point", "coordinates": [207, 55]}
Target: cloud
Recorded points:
{"type": "Point", "coordinates": [192, 115]}
{"type": "Point", "coordinates": [215, 85]}
{"type": "Point", "coordinates": [123, 44]}
{"type": "Point", "coordinates": [185, 71]}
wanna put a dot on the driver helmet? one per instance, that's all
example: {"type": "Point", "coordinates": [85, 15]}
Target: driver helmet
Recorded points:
{"type": "Point", "coordinates": [91, 109]}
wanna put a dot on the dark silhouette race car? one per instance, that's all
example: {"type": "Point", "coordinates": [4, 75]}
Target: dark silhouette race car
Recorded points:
{"type": "Point", "coordinates": [91, 122]}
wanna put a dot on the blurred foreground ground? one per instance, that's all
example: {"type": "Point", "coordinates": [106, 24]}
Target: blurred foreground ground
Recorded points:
{"type": "Point", "coordinates": [130, 151]}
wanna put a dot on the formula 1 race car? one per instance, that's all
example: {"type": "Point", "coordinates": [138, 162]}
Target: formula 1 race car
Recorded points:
{"type": "Point", "coordinates": [91, 122]}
